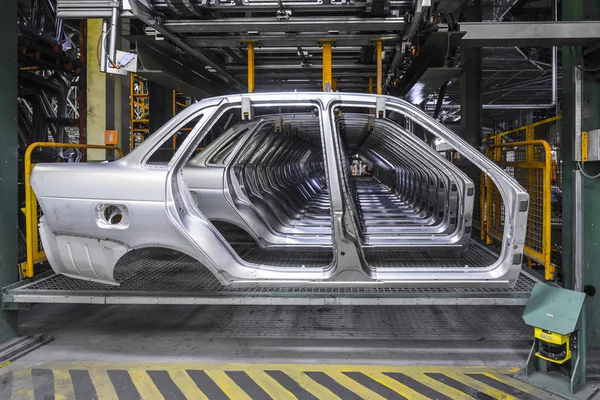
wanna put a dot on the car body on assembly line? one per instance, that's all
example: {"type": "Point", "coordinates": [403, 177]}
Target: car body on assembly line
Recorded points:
{"type": "Point", "coordinates": [279, 171]}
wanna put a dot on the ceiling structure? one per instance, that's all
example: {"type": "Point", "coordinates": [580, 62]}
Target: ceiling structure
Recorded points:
{"type": "Point", "coordinates": [287, 37]}
{"type": "Point", "coordinates": [210, 37]}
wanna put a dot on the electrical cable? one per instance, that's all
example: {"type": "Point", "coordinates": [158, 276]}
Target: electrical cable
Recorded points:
{"type": "Point", "coordinates": [580, 165]}
{"type": "Point", "coordinates": [588, 69]}
{"type": "Point", "coordinates": [105, 52]}
{"type": "Point", "coordinates": [115, 66]}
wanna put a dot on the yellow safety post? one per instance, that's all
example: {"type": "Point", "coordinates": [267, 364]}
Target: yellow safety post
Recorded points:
{"type": "Point", "coordinates": [379, 66]}
{"type": "Point", "coordinates": [370, 84]}
{"type": "Point", "coordinates": [250, 44]}
{"type": "Point", "coordinates": [334, 84]}
{"type": "Point", "coordinates": [327, 69]}
{"type": "Point", "coordinates": [326, 45]}
{"type": "Point", "coordinates": [250, 67]}
{"type": "Point", "coordinates": [31, 231]}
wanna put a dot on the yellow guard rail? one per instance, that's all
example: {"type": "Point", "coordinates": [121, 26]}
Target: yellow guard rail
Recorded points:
{"type": "Point", "coordinates": [530, 162]}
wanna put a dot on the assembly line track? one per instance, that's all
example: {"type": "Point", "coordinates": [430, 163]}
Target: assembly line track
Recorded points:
{"type": "Point", "coordinates": [157, 278]}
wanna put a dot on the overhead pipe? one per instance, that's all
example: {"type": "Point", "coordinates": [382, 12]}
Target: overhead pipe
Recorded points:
{"type": "Point", "coordinates": [103, 45]}
{"type": "Point", "coordinates": [114, 31]}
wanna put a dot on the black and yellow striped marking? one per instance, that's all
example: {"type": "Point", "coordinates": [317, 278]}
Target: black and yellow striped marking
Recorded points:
{"type": "Point", "coordinates": [262, 382]}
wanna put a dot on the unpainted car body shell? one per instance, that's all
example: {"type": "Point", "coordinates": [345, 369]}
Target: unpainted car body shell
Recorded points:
{"type": "Point", "coordinates": [161, 211]}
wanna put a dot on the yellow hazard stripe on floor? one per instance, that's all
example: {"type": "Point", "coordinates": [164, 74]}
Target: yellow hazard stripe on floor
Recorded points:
{"type": "Point", "coordinates": [262, 382]}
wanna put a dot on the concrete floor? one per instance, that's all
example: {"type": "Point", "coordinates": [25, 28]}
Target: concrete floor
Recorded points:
{"type": "Point", "coordinates": [423, 335]}
{"type": "Point", "coordinates": [272, 352]}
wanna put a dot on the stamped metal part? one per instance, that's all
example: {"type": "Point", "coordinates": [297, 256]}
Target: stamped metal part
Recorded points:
{"type": "Point", "coordinates": [267, 177]}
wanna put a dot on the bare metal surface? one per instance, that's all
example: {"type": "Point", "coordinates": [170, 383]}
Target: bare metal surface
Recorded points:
{"type": "Point", "coordinates": [162, 211]}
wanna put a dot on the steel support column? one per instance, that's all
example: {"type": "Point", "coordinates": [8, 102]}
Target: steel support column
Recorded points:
{"type": "Point", "coordinates": [327, 62]}
{"type": "Point", "coordinates": [8, 160]}
{"type": "Point", "coordinates": [250, 67]}
{"type": "Point", "coordinates": [470, 84]}
{"type": "Point", "coordinates": [379, 66]}
{"type": "Point", "coordinates": [581, 115]}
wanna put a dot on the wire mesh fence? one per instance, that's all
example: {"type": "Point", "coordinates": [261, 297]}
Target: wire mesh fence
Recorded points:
{"type": "Point", "coordinates": [530, 154]}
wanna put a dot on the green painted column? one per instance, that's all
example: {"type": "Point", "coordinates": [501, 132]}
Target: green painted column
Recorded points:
{"type": "Point", "coordinates": [578, 10]}
{"type": "Point", "coordinates": [470, 83]}
{"type": "Point", "coordinates": [8, 159]}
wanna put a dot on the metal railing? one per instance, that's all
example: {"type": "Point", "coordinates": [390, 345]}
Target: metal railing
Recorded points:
{"type": "Point", "coordinates": [35, 252]}
{"type": "Point", "coordinates": [531, 154]}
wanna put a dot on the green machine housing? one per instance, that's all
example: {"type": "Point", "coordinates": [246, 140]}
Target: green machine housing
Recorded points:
{"type": "Point", "coordinates": [556, 314]}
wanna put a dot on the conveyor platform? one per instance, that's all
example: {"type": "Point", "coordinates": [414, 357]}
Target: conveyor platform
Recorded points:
{"type": "Point", "coordinates": [156, 276]}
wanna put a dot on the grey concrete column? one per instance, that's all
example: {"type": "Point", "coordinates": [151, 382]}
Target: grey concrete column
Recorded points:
{"type": "Point", "coordinates": [8, 160]}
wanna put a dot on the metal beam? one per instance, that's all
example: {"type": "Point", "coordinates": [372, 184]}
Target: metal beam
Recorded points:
{"type": "Point", "coordinates": [163, 64]}
{"type": "Point", "coordinates": [313, 86]}
{"type": "Point", "coordinates": [295, 49]}
{"type": "Point", "coordinates": [296, 24]}
{"type": "Point", "coordinates": [363, 68]}
{"type": "Point", "coordinates": [538, 33]}
{"type": "Point", "coordinates": [271, 7]}
{"type": "Point", "coordinates": [306, 74]}
{"type": "Point", "coordinates": [8, 156]}
{"type": "Point", "coordinates": [282, 39]}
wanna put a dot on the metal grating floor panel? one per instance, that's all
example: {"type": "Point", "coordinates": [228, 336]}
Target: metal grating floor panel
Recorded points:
{"type": "Point", "coordinates": [248, 250]}
{"type": "Point", "coordinates": [475, 256]}
{"type": "Point", "coordinates": [161, 276]}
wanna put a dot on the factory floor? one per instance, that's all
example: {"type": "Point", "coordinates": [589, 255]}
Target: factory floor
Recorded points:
{"type": "Point", "coordinates": [272, 352]}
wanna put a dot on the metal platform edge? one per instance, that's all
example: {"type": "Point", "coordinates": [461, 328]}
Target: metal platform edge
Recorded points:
{"type": "Point", "coordinates": [14, 294]}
